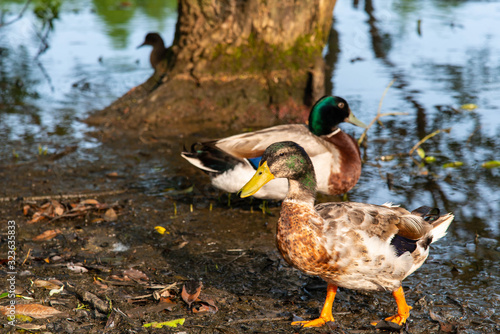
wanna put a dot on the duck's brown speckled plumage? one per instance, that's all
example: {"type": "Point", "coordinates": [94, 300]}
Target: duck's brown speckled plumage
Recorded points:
{"type": "Point", "coordinates": [351, 245]}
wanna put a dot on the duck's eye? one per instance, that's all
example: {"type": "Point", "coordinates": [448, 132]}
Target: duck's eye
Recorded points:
{"type": "Point", "coordinates": [260, 173]}
{"type": "Point", "coordinates": [341, 105]}
{"type": "Point", "coordinates": [282, 154]}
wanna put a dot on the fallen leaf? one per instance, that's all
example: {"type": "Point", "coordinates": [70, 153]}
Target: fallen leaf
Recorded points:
{"type": "Point", "coordinates": [160, 229]}
{"type": "Point", "coordinates": [36, 311]}
{"type": "Point", "coordinates": [110, 215]}
{"type": "Point", "coordinates": [171, 323]}
{"type": "Point", "coordinates": [206, 305]}
{"type": "Point", "coordinates": [56, 291]}
{"type": "Point", "coordinates": [387, 158]}
{"type": "Point", "coordinates": [430, 159]}
{"type": "Point", "coordinates": [446, 326]}
{"type": "Point", "coordinates": [421, 152]}
{"type": "Point", "coordinates": [47, 235]}
{"type": "Point", "coordinates": [453, 164]}
{"type": "Point", "coordinates": [37, 216]}
{"type": "Point", "coordinates": [89, 201]}
{"type": "Point", "coordinates": [191, 291]}
{"type": "Point", "coordinates": [135, 274]}
{"type": "Point", "coordinates": [491, 164]}
{"type": "Point", "coordinates": [30, 327]}
{"type": "Point", "coordinates": [76, 268]}
{"type": "Point", "coordinates": [57, 208]}
{"type": "Point", "coordinates": [469, 106]}
{"type": "Point", "coordinates": [38, 283]}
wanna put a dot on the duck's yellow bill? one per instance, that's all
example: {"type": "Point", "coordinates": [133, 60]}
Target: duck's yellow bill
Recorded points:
{"type": "Point", "coordinates": [354, 120]}
{"type": "Point", "coordinates": [260, 178]}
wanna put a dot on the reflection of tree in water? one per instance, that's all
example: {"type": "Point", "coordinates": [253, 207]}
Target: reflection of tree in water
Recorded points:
{"type": "Point", "coordinates": [118, 15]}
{"type": "Point", "coordinates": [471, 192]}
{"type": "Point", "coordinates": [15, 81]}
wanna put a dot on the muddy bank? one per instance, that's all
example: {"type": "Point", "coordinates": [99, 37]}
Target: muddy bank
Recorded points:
{"type": "Point", "coordinates": [225, 242]}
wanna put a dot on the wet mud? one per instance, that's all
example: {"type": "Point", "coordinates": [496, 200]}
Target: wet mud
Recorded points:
{"type": "Point", "coordinates": [225, 242]}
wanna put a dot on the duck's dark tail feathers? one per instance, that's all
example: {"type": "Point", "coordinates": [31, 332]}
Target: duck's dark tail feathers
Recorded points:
{"type": "Point", "coordinates": [439, 223]}
{"type": "Point", "coordinates": [210, 159]}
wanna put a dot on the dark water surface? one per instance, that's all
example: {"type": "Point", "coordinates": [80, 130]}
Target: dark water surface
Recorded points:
{"type": "Point", "coordinates": [442, 56]}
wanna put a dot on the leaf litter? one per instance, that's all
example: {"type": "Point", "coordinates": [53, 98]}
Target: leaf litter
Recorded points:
{"type": "Point", "coordinates": [53, 210]}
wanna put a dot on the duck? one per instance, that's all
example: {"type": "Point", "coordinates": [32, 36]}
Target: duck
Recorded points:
{"type": "Point", "coordinates": [336, 157]}
{"type": "Point", "coordinates": [159, 52]}
{"type": "Point", "coordinates": [348, 244]}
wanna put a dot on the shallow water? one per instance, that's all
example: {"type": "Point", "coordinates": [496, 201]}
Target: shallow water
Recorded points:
{"type": "Point", "coordinates": [440, 54]}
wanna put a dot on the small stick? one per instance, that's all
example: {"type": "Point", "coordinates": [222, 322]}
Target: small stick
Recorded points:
{"type": "Point", "coordinates": [64, 196]}
{"type": "Point", "coordinates": [379, 115]}
{"type": "Point", "coordinates": [27, 255]}
{"type": "Point", "coordinates": [258, 319]}
{"type": "Point", "coordinates": [423, 140]}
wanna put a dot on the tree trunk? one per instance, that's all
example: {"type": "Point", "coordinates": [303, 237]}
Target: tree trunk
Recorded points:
{"type": "Point", "coordinates": [233, 63]}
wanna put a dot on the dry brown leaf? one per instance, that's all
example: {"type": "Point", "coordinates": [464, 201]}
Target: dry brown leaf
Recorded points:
{"type": "Point", "coordinates": [57, 208]}
{"type": "Point", "coordinates": [46, 284]}
{"type": "Point", "coordinates": [76, 268]}
{"type": "Point", "coordinates": [26, 209]}
{"type": "Point", "coordinates": [191, 291]}
{"type": "Point", "coordinates": [45, 206]}
{"type": "Point", "coordinates": [30, 327]}
{"type": "Point", "coordinates": [110, 215]}
{"type": "Point", "coordinates": [135, 274]}
{"type": "Point", "coordinates": [37, 311]}
{"type": "Point", "coordinates": [47, 235]}
{"type": "Point", "coordinates": [37, 216]}
{"type": "Point", "coordinates": [100, 284]}
{"type": "Point", "coordinates": [89, 202]}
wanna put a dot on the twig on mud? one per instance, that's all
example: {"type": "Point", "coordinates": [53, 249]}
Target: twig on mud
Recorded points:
{"type": "Point", "coordinates": [64, 196]}
{"type": "Point", "coordinates": [68, 215]}
{"type": "Point", "coordinates": [19, 16]}
{"type": "Point", "coordinates": [258, 319]}
{"type": "Point", "coordinates": [423, 140]}
{"type": "Point", "coordinates": [379, 115]}
{"type": "Point", "coordinates": [27, 255]}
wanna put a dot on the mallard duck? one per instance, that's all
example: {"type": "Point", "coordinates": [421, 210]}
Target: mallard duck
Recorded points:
{"type": "Point", "coordinates": [231, 161]}
{"type": "Point", "coordinates": [159, 52]}
{"type": "Point", "coordinates": [350, 245]}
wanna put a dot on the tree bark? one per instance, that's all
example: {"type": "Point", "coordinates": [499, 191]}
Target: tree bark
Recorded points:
{"type": "Point", "coordinates": [233, 63]}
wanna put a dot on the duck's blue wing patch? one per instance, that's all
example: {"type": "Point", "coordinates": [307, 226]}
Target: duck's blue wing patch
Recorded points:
{"type": "Point", "coordinates": [255, 162]}
{"type": "Point", "coordinates": [403, 245]}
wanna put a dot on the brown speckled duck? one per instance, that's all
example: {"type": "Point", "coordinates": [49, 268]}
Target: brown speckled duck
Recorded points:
{"type": "Point", "coordinates": [231, 162]}
{"type": "Point", "coordinates": [352, 245]}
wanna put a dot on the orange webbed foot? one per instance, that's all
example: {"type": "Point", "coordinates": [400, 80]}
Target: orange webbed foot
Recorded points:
{"type": "Point", "coordinates": [403, 309]}
{"type": "Point", "coordinates": [326, 312]}
{"type": "Point", "coordinates": [400, 318]}
{"type": "Point", "coordinates": [314, 323]}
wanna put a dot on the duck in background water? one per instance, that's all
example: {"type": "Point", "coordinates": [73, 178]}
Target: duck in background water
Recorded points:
{"type": "Point", "coordinates": [159, 53]}
{"type": "Point", "coordinates": [231, 162]}
{"type": "Point", "coordinates": [352, 245]}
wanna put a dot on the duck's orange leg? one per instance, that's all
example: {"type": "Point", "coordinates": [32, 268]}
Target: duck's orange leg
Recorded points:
{"type": "Point", "coordinates": [403, 308]}
{"type": "Point", "coordinates": [326, 312]}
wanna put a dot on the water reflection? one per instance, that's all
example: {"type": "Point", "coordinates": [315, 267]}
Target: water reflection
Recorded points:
{"type": "Point", "coordinates": [90, 60]}
{"type": "Point", "coordinates": [431, 83]}
{"type": "Point", "coordinates": [436, 52]}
